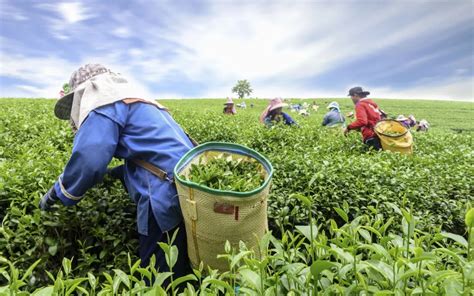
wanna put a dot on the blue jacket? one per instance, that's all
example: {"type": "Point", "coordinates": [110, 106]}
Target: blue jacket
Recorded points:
{"type": "Point", "coordinates": [333, 117]}
{"type": "Point", "coordinates": [286, 119]}
{"type": "Point", "coordinates": [137, 130]}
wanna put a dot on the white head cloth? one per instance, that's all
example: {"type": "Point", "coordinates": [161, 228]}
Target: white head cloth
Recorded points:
{"type": "Point", "coordinates": [99, 91]}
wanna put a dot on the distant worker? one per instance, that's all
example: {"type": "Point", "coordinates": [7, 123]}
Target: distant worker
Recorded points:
{"type": "Point", "coordinates": [273, 114]}
{"type": "Point", "coordinates": [242, 105]}
{"type": "Point", "coordinates": [314, 106]}
{"type": "Point", "coordinates": [422, 126]}
{"type": "Point", "coordinates": [367, 114]}
{"type": "Point", "coordinates": [408, 122]}
{"type": "Point", "coordinates": [303, 112]}
{"type": "Point", "coordinates": [295, 107]}
{"type": "Point", "coordinates": [334, 116]}
{"type": "Point", "coordinates": [229, 107]}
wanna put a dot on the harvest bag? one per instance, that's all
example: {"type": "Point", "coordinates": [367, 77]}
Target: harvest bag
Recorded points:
{"type": "Point", "coordinates": [394, 136]}
{"type": "Point", "coordinates": [214, 216]}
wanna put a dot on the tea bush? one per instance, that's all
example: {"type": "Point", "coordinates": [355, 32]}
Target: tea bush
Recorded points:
{"type": "Point", "coordinates": [333, 172]}
{"type": "Point", "coordinates": [224, 173]}
{"type": "Point", "coordinates": [359, 258]}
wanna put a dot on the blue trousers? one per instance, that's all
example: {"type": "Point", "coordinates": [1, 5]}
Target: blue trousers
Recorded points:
{"type": "Point", "coordinates": [149, 246]}
{"type": "Point", "coordinates": [374, 143]}
{"type": "Point", "coordinates": [149, 243]}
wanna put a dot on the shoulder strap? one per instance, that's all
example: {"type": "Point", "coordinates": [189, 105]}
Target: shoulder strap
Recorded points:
{"type": "Point", "coordinates": [194, 142]}
{"type": "Point", "coordinates": [144, 164]}
{"type": "Point", "coordinates": [129, 101]}
{"type": "Point", "coordinates": [134, 100]}
{"type": "Point", "coordinates": [153, 169]}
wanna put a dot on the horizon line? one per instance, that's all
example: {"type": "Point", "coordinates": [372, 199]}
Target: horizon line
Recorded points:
{"type": "Point", "coordinates": [269, 98]}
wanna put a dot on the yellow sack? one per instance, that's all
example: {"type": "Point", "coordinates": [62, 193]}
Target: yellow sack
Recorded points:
{"type": "Point", "coordinates": [214, 216]}
{"type": "Point", "coordinates": [394, 136]}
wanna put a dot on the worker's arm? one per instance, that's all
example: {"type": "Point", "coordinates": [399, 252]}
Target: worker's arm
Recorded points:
{"type": "Point", "coordinates": [361, 118]}
{"type": "Point", "coordinates": [288, 119]}
{"type": "Point", "coordinates": [93, 149]}
{"type": "Point", "coordinates": [326, 119]}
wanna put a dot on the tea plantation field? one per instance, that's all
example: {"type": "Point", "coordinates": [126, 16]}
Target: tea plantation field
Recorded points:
{"type": "Point", "coordinates": [343, 221]}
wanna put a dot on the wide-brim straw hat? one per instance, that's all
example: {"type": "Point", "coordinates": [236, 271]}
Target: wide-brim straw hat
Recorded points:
{"type": "Point", "coordinates": [229, 102]}
{"type": "Point", "coordinates": [333, 105]}
{"type": "Point", "coordinates": [276, 103]}
{"type": "Point", "coordinates": [62, 109]}
{"type": "Point", "coordinates": [401, 118]}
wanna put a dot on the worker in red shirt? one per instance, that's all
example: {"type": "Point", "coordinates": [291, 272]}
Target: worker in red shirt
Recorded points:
{"type": "Point", "coordinates": [367, 115]}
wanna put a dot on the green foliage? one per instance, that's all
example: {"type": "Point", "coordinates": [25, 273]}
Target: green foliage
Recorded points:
{"type": "Point", "coordinates": [359, 257]}
{"type": "Point", "coordinates": [66, 88]}
{"type": "Point", "coordinates": [34, 148]}
{"type": "Point", "coordinates": [225, 173]}
{"type": "Point", "coordinates": [242, 88]}
{"type": "Point", "coordinates": [330, 169]}
{"type": "Point", "coordinates": [370, 222]}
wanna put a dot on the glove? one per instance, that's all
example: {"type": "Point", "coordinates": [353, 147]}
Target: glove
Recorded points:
{"type": "Point", "coordinates": [118, 173]}
{"type": "Point", "coordinates": [346, 131]}
{"type": "Point", "coordinates": [48, 200]}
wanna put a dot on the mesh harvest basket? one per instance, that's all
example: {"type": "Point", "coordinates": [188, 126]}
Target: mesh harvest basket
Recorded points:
{"type": "Point", "coordinates": [394, 136]}
{"type": "Point", "coordinates": [214, 216]}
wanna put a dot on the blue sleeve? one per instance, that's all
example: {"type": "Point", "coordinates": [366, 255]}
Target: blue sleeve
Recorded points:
{"type": "Point", "coordinates": [267, 121]}
{"type": "Point", "coordinates": [93, 149]}
{"type": "Point", "coordinates": [326, 119]}
{"type": "Point", "coordinates": [288, 119]}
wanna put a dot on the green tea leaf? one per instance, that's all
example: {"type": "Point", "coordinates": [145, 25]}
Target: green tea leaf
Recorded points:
{"type": "Point", "coordinates": [470, 218]}
{"type": "Point", "coordinates": [53, 250]}
{"type": "Point", "coordinates": [46, 291]}
{"type": "Point", "coordinates": [251, 277]}
{"type": "Point", "coordinates": [342, 214]}
{"type": "Point", "coordinates": [305, 200]}
{"type": "Point", "coordinates": [123, 277]}
{"type": "Point", "coordinates": [306, 230]}
{"type": "Point", "coordinates": [319, 266]}
{"type": "Point", "coordinates": [457, 238]}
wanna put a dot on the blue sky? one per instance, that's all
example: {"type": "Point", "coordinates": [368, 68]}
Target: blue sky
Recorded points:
{"type": "Point", "coordinates": [174, 49]}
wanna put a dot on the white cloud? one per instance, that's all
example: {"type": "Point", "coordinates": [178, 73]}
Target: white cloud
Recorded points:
{"type": "Point", "coordinates": [9, 12]}
{"type": "Point", "coordinates": [461, 71]}
{"type": "Point", "coordinates": [462, 90]}
{"type": "Point", "coordinates": [122, 32]}
{"type": "Point", "coordinates": [19, 17]}
{"type": "Point", "coordinates": [72, 12]}
{"type": "Point", "coordinates": [278, 42]}
{"type": "Point", "coordinates": [135, 52]}
{"type": "Point", "coordinates": [459, 90]}
{"type": "Point", "coordinates": [35, 70]}
{"type": "Point", "coordinates": [273, 44]}
{"type": "Point", "coordinates": [28, 88]}
{"type": "Point", "coordinates": [44, 77]}
{"type": "Point", "coordinates": [66, 15]}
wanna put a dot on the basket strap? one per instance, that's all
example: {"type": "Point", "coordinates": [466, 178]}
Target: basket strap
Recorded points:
{"type": "Point", "coordinates": [153, 169]}
{"type": "Point", "coordinates": [193, 228]}
{"type": "Point", "coordinates": [161, 107]}
{"type": "Point", "coordinates": [194, 142]}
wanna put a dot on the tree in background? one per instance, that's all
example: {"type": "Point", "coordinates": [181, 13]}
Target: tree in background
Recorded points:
{"type": "Point", "coordinates": [66, 88]}
{"type": "Point", "coordinates": [242, 88]}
